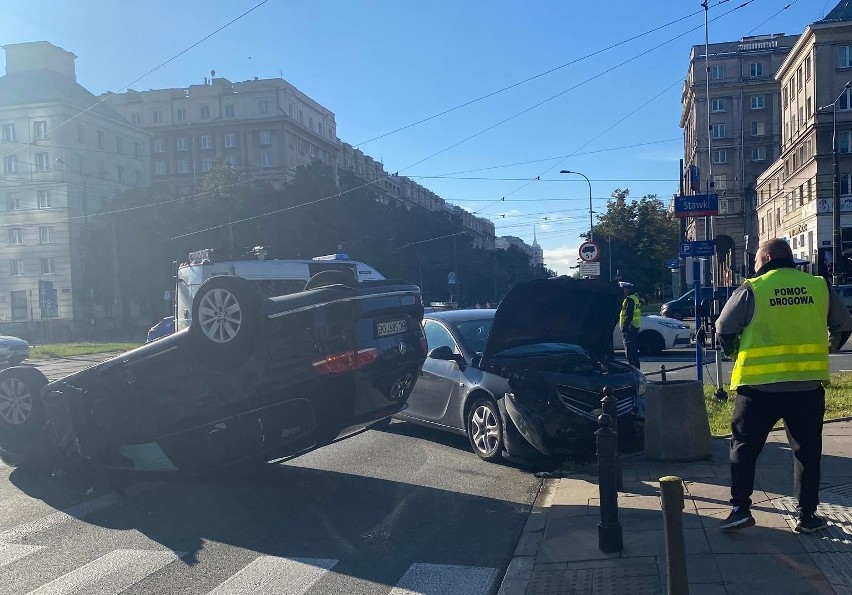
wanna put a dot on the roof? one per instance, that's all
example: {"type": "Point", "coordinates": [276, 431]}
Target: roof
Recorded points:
{"type": "Point", "coordinates": [47, 86]}
{"type": "Point", "coordinates": [841, 12]}
{"type": "Point", "coordinates": [455, 316]}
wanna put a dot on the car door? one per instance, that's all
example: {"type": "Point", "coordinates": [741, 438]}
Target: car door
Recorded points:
{"type": "Point", "coordinates": [439, 379]}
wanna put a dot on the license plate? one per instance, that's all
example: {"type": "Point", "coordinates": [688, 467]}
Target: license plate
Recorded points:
{"type": "Point", "coordinates": [391, 327]}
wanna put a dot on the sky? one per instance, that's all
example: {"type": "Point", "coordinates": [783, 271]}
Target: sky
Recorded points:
{"type": "Point", "coordinates": [381, 65]}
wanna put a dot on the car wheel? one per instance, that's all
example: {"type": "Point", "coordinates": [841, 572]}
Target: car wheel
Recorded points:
{"type": "Point", "coordinates": [651, 343]}
{"type": "Point", "coordinates": [485, 430]}
{"type": "Point", "coordinates": [224, 317]}
{"type": "Point", "coordinates": [22, 414]}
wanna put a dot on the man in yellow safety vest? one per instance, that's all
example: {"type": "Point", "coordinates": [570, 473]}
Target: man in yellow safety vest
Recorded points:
{"type": "Point", "coordinates": [774, 325]}
{"type": "Point", "coordinates": [630, 321]}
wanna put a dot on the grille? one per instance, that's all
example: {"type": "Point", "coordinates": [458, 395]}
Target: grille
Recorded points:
{"type": "Point", "coordinates": [584, 402]}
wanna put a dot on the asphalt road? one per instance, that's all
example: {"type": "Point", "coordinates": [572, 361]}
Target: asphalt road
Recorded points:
{"type": "Point", "coordinates": [404, 510]}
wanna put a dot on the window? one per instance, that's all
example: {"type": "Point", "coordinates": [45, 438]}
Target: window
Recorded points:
{"type": "Point", "coordinates": [19, 304]}
{"type": "Point", "coordinates": [45, 234]}
{"type": "Point", "coordinates": [119, 145]}
{"type": "Point", "coordinates": [311, 122]}
{"type": "Point", "coordinates": [720, 182]}
{"type": "Point", "coordinates": [758, 154]}
{"type": "Point", "coordinates": [230, 140]}
{"type": "Point", "coordinates": [48, 266]}
{"type": "Point", "coordinates": [229, 110]}
{"type": "Point", "coordinates": [810, 108]}
{"type": "Point", "coordinates": [266, 160]}
{"type": "Point", "coordinates": [206, 141]}
{"type": "Point", "coordinates": [183, 166]}
{"type": "Point", "coordinates": [717, 71]}
{"type": "Point", "coordinates": [9, 132]}
{"type": "Point", "coordinates": [266, 137]}
{"type": "Point", "coordinates": [81, 133]}
{"type": "Point", "coordinates": [159, 145]}
{"type": "Point", "coordinates": [844, 59]}
{"type": "Point", "coordinates": [181, 114]}
{"type": "Point", "coordinates": [319, 124]}
{"type": "Point", "coordinates": [119, 173]}
{"type": "Point", "coordinates": [756, 69]}
{"type": "Point", "coordinates": [718, 131]}
{"type": "Point", "coordinates": [263, 106]}
{"type": "Point", "coordinates": [799, 78]}
{"type": "Point", "coordinates": [330, 132]}
{"type": "Point", "coordinates": [102, 171]}
{"type": "Point", "coordinates": [717, 105]}
{"type": "Point", "coordinates": [16, 236]}
{"type": "Point", "coordinates": [205, 112]}
{"type": "Point", "coordinates": [757, 102]}
{"type": "Point", "coordinates": [844, 142]}
{"type": "Point", "coordinates": [845, 184]}
{"type": "Point", "coordinates": [231, 160]}
{"type": "Point", "coordinates": [758, 128]}
{"type": "Point", "coordinates": [438, 336]}
{"type": "Point", "coordinates": [40, 129]}
{"type": "Point", "coordinates": [206, 164]}
{"type": "Point", "coordinates": [290, 109]}
{"type": "Point", "coordinates": [137, 150]}
{"type": "Point", "coordinates": [291, 140]}
{"type": "Point", "coordinates": [301, 117]}
{"type": "Point", "coordinates": [101, 140]}
{"type": "Point", "coordinates": [44, 199]}
{"type": "Point", "coordinates": [313, 151]}
{"type": "Point", "coordinates": [158, 117]}
{"type": "Point", "coordinates": [719, 156]}
{"type": "Point", "coordinates": [808, 66]}
{"type": "Point", "coordinates": [845, 101]}
{"type": "Point", "coordinates": [17, 267]}
{"type": "Point", "coordinates": [159, 168]}
{"type": "Point", "coordinates": [137, 178]}
{"type": "Point", "coordinates": [786, 95]}
{"type": "Point", "coordinates": [10, 164]}
{"type": "Point", "coordinates": [42, 162]}
{"type": "Point", "coordinates": [136, 119]}
{"type": "Point", "coordinates": [182, 143]}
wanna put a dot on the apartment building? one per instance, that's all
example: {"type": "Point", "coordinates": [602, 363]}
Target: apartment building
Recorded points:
{"type": "Point", "coordinates": [740, 139]}
{"type": "Point", "coordinates": [61, 153]}
{"type": "Point", "coordinates": [795, 195]}
{"type": "Point", "coordinates": [265, 128]}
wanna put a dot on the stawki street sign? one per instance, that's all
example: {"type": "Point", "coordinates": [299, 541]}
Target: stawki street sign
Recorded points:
{"type": "Point", "coordinates": [699, 248]}
{"type": "Point", "coordinates": [590, 269]}
{"type": "Point", "coordinates": [697, 205]}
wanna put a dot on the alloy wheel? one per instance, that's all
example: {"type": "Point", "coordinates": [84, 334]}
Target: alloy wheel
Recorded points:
{"type": "Point", "coordinates": [485, 433]}
{"type": "Point", "coordinates": [220, 315]}
{"type": "Point", "coordinates": [16, 402]}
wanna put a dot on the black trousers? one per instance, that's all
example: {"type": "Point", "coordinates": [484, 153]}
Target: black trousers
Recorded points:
{"type": "Point", "coordinates": [755, 413]}
{"type": "Point", "coordinates": [631, 347]}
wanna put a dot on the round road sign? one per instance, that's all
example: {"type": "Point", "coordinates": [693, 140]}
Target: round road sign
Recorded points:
{"type": "Point", "coordinates": [589, 252]}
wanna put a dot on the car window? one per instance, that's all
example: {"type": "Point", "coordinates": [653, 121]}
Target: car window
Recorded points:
{"type": "Point", "coordinates": [437, 336]}
{"type": "Point", "coordinates": [474, 333]}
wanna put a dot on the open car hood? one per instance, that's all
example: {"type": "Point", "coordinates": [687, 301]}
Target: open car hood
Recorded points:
{"type": "Point", "coordinates": [559, 310]}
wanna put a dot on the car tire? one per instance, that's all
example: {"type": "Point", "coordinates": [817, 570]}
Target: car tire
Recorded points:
{"type": "Point", "coordinates": [225, 319]}
{"type": "Point", "coordinates": [485, 430]}
{"type": "Point", "coordinates": [650, 343]}
{"type": "Point", "coordinates": [22, 416]}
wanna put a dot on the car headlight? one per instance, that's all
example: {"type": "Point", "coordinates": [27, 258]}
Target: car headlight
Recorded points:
{"type": "Point", "coordinates": [643, 384]}
{"type": "Point", "coordinates": [676, 325]}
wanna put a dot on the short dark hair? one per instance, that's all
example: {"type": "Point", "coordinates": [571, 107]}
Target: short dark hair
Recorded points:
{"type": "Point", "coordinates": [776, 248]}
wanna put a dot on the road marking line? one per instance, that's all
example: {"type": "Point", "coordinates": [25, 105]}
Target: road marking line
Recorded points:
{"type": "Point", "coordinates": [444, 579]}
{"type": "Point", "coordinates": [12, 552]}
{"type": "Point", "coordinates": [110, 574]}
{"type": "Point", "coordinates": [273, 575]}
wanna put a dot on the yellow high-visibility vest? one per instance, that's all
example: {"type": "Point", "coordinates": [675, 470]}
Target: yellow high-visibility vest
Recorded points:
{"type": "Point", "coordinates": [787, 337]}
{"type": "Point", "coordinates": [637, 312]}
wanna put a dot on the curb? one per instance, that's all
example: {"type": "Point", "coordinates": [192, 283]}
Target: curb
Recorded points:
{"type": "Point", "coordinates": [520, 569]}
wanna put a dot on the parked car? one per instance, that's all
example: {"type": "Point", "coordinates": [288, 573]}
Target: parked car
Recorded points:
{"type": "Point", "coordinates": [252, 379]}
{"type": "Point", "coordinates": [684, 306]}
{"type": "Point", "coordinates": [845, 293]}
{"type": "Point", "coordinates": [164, 328]}
{"type": "Point", "coordinates": [12, 352]}
{"type": "Point", "coordinates": [657, 333]}
{"type": "Point", "coordinates": [526, 379]}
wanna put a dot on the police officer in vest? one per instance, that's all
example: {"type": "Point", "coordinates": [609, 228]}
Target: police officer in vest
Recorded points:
{"type": "Point", "coordinates": [629, 321]}
{"type": "Point", "coordinates": [774, 325]}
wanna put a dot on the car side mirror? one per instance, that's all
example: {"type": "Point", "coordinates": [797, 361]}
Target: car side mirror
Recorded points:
{"type": "Point", "coordinates": [446, 353]}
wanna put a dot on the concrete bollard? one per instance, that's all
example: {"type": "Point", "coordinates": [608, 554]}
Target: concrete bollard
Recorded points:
{"type": "Point", "coordinates": [671, 495]}
{"type": "Point", "coordinates": [676, 424]}
{"type": "Point", "coordinates": [610, 538]}
{"type": "Point", "coordinates": [610, 407]}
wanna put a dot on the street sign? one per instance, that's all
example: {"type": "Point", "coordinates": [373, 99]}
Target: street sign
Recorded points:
{"type": "Point", "coordinates": [590, 269]}
{"type": "Point", "coordinates": [589, 252]}
{"type": "Point", "coordinates": [697, 205]}
{"type": "Point", "coordinates": [700, 248]}
{"type": "Point", "coordinates": [451, 279]}
{"type": "Point", "coordinates": [673, 263]}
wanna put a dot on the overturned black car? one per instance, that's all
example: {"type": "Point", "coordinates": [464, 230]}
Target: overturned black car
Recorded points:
{"type": "Point", "coordinates": [526, 380]}
{"type": "Point", "coordinates": [252, 379]}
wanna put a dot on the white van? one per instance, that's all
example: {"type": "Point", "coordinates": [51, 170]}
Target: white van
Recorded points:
{"type": "Point", "coordinates": [272, 277]}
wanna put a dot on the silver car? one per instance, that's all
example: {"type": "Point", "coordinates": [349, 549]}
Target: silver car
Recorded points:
{"type": "Point", "coordinates": [13, 350]}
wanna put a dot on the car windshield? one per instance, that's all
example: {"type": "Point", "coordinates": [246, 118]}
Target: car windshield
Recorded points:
{"type": "Point", "coordinates": [474, 333]}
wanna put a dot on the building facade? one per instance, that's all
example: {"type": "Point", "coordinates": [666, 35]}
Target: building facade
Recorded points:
{"type": "Point", "coordinates": [61, 153]}
{"type": "Point", "coordinates": [740, 139]}
{"type": "Point", "coordinates": [796, 193]}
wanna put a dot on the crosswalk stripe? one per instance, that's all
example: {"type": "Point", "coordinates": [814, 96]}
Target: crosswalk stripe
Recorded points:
{"type": "Point", "coordinates": [10, 552]}
{"type": "Point", "coordinates": [110, 574]}
{"type": "Point", "coordinates": [445, 579]}
{"type": "Point", "coordinates": [272, 575]}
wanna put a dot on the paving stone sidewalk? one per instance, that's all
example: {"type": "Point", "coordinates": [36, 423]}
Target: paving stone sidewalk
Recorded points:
{"type": "Point", "coordinates": [559, 553]}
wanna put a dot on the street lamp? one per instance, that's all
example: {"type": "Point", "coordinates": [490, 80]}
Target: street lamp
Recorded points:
{"type": "Point", "coordinates": [591, 225]}
{"type": "Point", "coordinates": [837, 248]}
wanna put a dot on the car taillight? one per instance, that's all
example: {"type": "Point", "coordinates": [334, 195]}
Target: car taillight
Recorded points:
{"type": "Point", "coordinates": [346, 361]}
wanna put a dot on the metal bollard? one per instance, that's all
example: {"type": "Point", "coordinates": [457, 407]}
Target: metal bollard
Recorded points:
{"type": "Point", "coordinates": [719, 393]}
{"type": "Point", "coordinates": [610, 407]}
{"type": "Point", "coordinates": [663, 372]}
{"type": "Point", "coordinates": [671, 496]}
{"type": "Point", "coordinates": [610, 538]}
